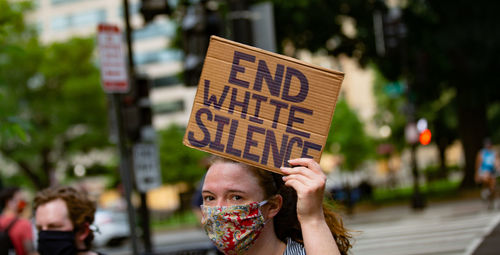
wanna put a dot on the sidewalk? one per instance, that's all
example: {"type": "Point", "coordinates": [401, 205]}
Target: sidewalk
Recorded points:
{"type": "Point", "coordinates": [491, 243]}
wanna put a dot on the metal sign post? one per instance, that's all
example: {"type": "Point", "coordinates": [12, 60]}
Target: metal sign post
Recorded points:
{"type": "Point", "coordinates": [114, 80]}
{"type": "Point", "coordinates": [125, 173]}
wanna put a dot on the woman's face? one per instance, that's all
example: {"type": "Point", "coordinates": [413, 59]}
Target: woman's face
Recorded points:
{"type": "Point", "coordinates": [229, 183]}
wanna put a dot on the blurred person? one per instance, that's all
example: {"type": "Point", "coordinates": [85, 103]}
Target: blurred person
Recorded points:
{"type": "Point", "coordinates": [63, 217]}
{"type": "Point", "coordinates": [197, 199]}
{"type": "Point", "coordinates": [13, 202]}
{"type": "Point", "coordinates": [247, 210]}
{"type": "Point", "coordinates": [486, 172]}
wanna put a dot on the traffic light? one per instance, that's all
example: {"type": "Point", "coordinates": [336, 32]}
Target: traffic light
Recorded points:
{"type": "Point", "coordinates": [143, 87]}
{"type": "Point", "coordinates": [136, 109]}
{"type": "Point", "coordinates": [200, 21]}
{"type": "Point", "coordinates": [425, 137]}
{"type": "Point", "coordinates": [394, 31]}
{"type": "Point", "coordinates": [150, 8]}
{"type": "Point", "coordinates": [130, 116]}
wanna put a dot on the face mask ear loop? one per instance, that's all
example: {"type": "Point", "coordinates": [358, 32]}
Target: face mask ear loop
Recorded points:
{"type": "Point", "coordinates": [260, 206]}
{"type": "Point", "coordinates": [263, 203]}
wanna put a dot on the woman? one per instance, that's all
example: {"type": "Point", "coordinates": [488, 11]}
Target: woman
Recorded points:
{"type": "Point", "coordinates": [247, 210]}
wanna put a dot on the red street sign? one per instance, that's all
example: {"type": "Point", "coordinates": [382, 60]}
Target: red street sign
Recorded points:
{"type": "Point", "coordinates": [114, 76]}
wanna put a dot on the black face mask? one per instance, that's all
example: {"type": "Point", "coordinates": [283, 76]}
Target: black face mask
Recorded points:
{"type": "Point", "coordinates": [57, 243]}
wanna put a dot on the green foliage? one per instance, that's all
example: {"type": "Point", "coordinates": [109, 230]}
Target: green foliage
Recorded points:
{"type": "Point", "coordinates": [178, 162]}
{"type": "Point", "coordinates": [59, 95]}
{"type": "Point", "coordinates": [347, 137]}
{"type": "Point", "coordinates": [390, 111]}
{"type": "Point", "coordinates": [15, 37]}
{"type": "Point", "coordinates": [494, 117]}
{"type": "Point", "coordinates": [435, 190]}
{"type": "Point", "coordinates": [52, 104]}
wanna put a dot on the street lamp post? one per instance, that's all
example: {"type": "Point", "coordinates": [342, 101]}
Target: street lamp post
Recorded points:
{"type": "Point", "coordinates": [390, 40]}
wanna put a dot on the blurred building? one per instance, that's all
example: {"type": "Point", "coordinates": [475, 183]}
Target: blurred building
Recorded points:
{"type": "Point", "coordinates": [59, 20]}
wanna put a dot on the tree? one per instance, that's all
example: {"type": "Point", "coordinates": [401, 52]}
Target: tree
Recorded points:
{"type": "Point", "coordinates": [348, 138]}
{"type": "Point", "coordinates": [179, 163]}
{"type": "Point", "coordinates": [444, 45]}
{"type": "Point", "coordinates": [13, 37]}
{"type": "Point", "coordinates": [56, 90]}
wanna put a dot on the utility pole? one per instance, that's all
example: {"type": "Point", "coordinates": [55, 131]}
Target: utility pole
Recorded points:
{"type": "Point", "coordinates": [390, 41]}
{"type": "Point", "coordinates": [125, 166]}
{"type": "Point", "coordinates": [241, 21]}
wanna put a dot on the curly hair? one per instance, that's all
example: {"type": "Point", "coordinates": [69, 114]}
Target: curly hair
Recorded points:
{"type": "Point", "coordinates": [286, 222]}
{"type": "Point", "coordinates": [81, 209]}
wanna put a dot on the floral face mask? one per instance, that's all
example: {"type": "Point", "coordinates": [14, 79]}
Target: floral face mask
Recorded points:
{"type": "Point", "coordinates": [233, 229]}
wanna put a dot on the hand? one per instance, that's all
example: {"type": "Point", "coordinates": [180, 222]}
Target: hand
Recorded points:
{"type": "Point", "coordinates": [307, 178]}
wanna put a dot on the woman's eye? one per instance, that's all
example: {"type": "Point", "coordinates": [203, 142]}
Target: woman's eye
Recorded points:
{"type": "Point", "coordinates": [236, 197]}
{"type": "Point", "coordinates": [208, 198]}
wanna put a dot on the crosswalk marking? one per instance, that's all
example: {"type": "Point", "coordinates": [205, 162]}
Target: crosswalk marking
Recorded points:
{"type": "Point", "coordinates": [439, 231]}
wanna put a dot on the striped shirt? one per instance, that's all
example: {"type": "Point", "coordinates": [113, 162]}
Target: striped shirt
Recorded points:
{"type": "Point", "coordinates": [294, 248]}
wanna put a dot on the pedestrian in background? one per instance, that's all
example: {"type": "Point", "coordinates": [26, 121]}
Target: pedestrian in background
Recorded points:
{"type": "Point", "coordinates": [249, 211]}
{"type": "Point", "coordinates": [486, 170]}
{"type": "Point", "coordinates": [13, 202]}
{"type": "Point", "coordinates": [63, 217]}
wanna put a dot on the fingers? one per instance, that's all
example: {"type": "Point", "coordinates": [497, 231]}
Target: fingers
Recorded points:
{"type": "Point", "coordinates": [300, 179]}
{"type": "Point", "coordinates": [298, 171]}
{"type": "Point", "coordinates": [306, 175]}
{"type": "Point", "coordinates": [304, 166]}
{"type": "Point", "coordinates": [306, 162]}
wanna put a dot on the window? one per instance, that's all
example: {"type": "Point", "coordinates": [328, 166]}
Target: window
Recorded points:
{"type": "Point", "coordinates": [56, 2]}
{"type": "Point", "coordinates": [156, 29]}
{"type": "Point", "coordinates": [161, 56]}
{"type": "Point", "coordinates": [167, 81]}
{"type": "Point", "coordinates": [88, 18]}
{"type": "Point", "coordinates": [60, 23]}
{"type": "Point", "coordinates": [169, 107]}
{"type": "Point", "coordinates": [133, 8]}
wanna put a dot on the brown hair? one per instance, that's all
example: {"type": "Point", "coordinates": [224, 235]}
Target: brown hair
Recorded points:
{"type": "Point", "coordinates": [81, 209]}
{"type": "Point", "coordinates": [286, 223]}
{"type": "Point", "coordinates": [6, 195]}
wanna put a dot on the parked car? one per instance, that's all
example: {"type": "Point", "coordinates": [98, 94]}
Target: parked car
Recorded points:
{"type": "Point", "coordinates": [112, 227]}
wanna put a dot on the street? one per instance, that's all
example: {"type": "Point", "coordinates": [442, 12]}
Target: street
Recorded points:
{"type": "Point", "coordinates": [447, 228]}
{"type": "Point", "coordinates": [457, 227]}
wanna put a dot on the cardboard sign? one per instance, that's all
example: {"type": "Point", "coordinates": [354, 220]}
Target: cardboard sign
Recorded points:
{"type": "Point", "coordinates": [261, 108]}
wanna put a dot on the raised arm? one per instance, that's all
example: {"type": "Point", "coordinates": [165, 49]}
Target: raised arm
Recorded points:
{"type": "Point", "coordinates": [477, 165]}
{"type": "Point", "coordinates": [307, 178]}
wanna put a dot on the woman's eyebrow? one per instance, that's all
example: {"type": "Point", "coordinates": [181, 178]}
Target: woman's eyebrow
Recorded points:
{"type": "Point", "coordinates": [236, 191]}
{"type": "Point", "coordinates": [227, 191]}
